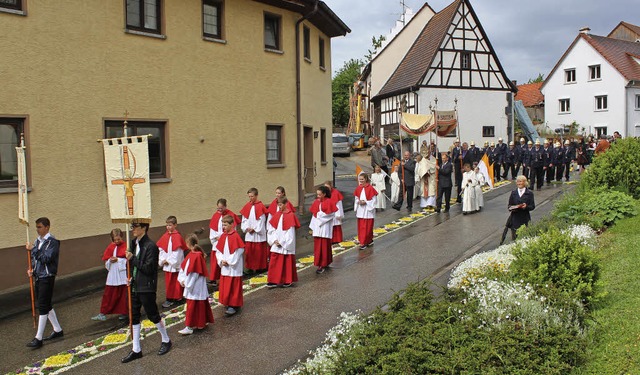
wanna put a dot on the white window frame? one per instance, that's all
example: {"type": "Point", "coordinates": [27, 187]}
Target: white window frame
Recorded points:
{"type": "Point", "coordinates": [567, 72]}
{"type": "Point", "coordinates": [561, 106]}
{"type": "Point", "coordinates": [637, 102]}
{"type": "Point", "coordinates": [601, 103]}
{"type": "Point", "coordinates": [596, 68]}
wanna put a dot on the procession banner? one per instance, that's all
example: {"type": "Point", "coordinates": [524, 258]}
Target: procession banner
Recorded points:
{"type": "Point", "coordinates": [127, 170]}
{"type": "Point", "coordinates": [23, 203]}
{"type": "Point", "coordinates": [446, 122]}
{"type": "Point", "coordinates": [416, 124]}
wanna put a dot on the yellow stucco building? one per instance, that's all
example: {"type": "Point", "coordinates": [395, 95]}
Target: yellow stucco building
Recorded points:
{"type": "Point", "coordinates": [214, 81]}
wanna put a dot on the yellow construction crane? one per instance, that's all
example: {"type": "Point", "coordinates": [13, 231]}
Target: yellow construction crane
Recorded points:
{"type": "Point", "coordinates": [359, 127]}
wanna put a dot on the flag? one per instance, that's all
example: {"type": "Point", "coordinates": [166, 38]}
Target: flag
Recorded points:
{"type": "Point", "coordinates": [127, 170]}
{"type": "Point", "coordinates": [486, 169]}
{"type": "Point", "coordinates": [23, 205]}
{"type": "Point", "coordinates": [358, 171]}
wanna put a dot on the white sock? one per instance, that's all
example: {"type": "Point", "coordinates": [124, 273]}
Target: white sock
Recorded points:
{"type": "Point", "coordinates": [136, 338]}
{"type": "Point", "coordinates": [42, 323]}
{"type": "Point", "coordinates": [53, 318]}
{"type": "Point", "coordinates": [163, 331]}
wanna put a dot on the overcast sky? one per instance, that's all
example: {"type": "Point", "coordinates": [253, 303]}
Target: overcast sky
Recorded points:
{"type": "Point", "coordinates": [528, 36]}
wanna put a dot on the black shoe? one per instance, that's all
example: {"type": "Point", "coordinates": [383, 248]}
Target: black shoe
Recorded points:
{"type": "Point", "coordinates": [272, 285]}
{"type": "Point", "coordinates": [35, 344]}
{"type": "Point", "coordinates": [54, 335]}
{"type": "Point", "coordinates": [320, 270]}
{"type": "Point", "coordinates": [287, 285]}
{"type": "Point", "coordinates": [437, 211]}
{"type": "Point", "coordinates": [397, 208]}
{"type": "Point", "coordinates": [132, 356]}
{"type": "Point", "coordinates": [447, 210]}
{"type": "Point", "coordinates": [164, 348]}
{"type": "Point", "coordinates": [409, 209]}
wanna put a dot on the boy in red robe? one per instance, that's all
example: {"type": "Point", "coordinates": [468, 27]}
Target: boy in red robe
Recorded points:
{"type": "Point", "coordinates": [215, 231]}
{"type": "Point", "coordinates": [229, 252]}
{"type": "Point", "coordinates": [281, 235]}
{"type": "Point", "coordinates": [114, 299]}
{"type": "Point", "coordinates": [172, 248]}
{"type": "Point", "coordinates": [323, 210]}
{"type": "Point", "coordinates": [193, 278]}
{"type": "Point", "coordinates": [254, 225]}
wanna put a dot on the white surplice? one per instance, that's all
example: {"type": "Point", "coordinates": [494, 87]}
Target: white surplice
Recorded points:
{"type": "Point", "coordinates": [195, 285]}
{"type": "Point", "coordinates": [286, 238]}
{"type": "Point", "coordinates": [395, 187]}
{"type": "Point", "coordinates": [235, 261]}
{"type": "Point", "coordinates": [173, 256]}
{"type": "Point", "coordinates": [469, 183]}
{"type": "Point", "coordinates": [255, 223]}
{"type": "Point", "coordinates": [322, 224]}
{"type": "Point", "coordinates": [366, 211]}
{"type": "Point", "coordinates": [377, 181]}
{"type": "Point", "coordinates": [479, 193]}
{"type": "Point", "coordinates": [117, 270]}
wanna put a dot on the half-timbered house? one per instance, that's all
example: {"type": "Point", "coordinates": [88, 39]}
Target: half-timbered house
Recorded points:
{"type": "Point", "coordinates": [445, 56]}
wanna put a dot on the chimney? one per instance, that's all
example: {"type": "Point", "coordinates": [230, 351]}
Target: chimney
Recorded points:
{"type": "Point", "coordinates": [515, 83]}
{"type": "Point", "coordinates": [585, 30]}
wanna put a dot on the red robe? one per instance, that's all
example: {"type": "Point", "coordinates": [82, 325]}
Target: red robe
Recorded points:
{"type": "Point", "coordinates": [322, 252]}
{"type": "Point", "coordinates": [199, 312]}
{"type": "Point", "coordinates": [336, 196]}
{"type": "Point", "coordinates": [273, 207]}
{"type": "Point", "coordinates": [172, 286]}
{"type": "Point", "coordinates": [115, 298]}
{"type": "Point", "coordinates": [230, 288]}
{"type": "Point", "coordinates": [365, 226]}
{"type": "Point", "coordinates": [282, 267]}
{"type": "Point", "coordinates": [214, 224]}
{"type": "Point", "coordinates": [329, 206]}
{"type": "Point", "coordinates": [256, 254]}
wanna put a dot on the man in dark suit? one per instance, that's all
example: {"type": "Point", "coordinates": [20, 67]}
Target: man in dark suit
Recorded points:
{"type": "Point", "coordinates": [538, 163]}
{"type": "Point", "coordinates": [444, 183]}
{"type": "Point", "coordinates": [143, 257]}
{"type": "Point", "coordinates": [407, 176]}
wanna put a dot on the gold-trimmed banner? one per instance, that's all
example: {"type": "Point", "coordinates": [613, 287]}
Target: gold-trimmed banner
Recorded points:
{"type": "Point", "coordinates": [127, 171]}
{"type": "Point", "coordinates": [23, 201]}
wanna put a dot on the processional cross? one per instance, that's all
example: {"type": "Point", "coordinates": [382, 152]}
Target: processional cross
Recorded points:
{"type": "Point", "coordinates": [128, 180]}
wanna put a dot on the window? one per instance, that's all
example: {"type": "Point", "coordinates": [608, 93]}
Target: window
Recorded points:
{"type": "Point", "coordinates": [272, 31]}
{"type": "Point", "coordinates": [11, 130]}
{"type": "Point", "coordinates": [321, 53]}
{"type": "Point", "coordinates": [11, 4]}
{"type": "Point", "coordinates": [274, 144]}
{"type": "Point", "coordinates": [594, 72]}
{"type": "Point", "coordinates": [637, 131]}
{"type": "Point", "coordinates": [565, 105]}
{"type": "Point", "coordinates": [488, 131]}
{"type": "Point", "coordinates": [601, 103]}
{"type": "Point", "coordinates": [306, 42]}
{"type": "Point", "coordinates": [570, 76]}
{"type": "Point", "coordinates": [638, 102]}
{"type": "Point", "coordinates": [465, 60]}
{"type": "Point", "coordinates": [157, 150]}
{"type": "Point", "coordinates": [323, 146]}
{"type": "Point", "coordinates": [600, 131]}
{"type": "Point", "coordinates": [143, 15]}
{"type": "Point", "coordinates": [212, 18]}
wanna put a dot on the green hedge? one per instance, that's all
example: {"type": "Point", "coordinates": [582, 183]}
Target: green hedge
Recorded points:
{"type": "Point", "coordinates": [617, 169]}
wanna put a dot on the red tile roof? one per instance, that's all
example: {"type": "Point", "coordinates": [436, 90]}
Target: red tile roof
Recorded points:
{"type": "Point", "coordinates": [530, 94]}
{"type": "Point", "coordinates": [618, 53]}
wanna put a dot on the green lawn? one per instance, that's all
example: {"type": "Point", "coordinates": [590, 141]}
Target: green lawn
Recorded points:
{"type": "Point", "coordinates": [615, 332]}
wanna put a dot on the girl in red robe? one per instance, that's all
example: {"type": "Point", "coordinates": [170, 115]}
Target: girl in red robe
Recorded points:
{"type": "Point", "coordinates": [365, 206]}
{"type": "Point", "coordinates": [323, 210]}
{"type": "Point", "coordinates": [215, 231]}
{"type": "Point", "coordinates": [193, 278]}
{"type": "Point", "coordinates": [273, 207]}
{"type": "Point", "coordinates": [337, 198]}
{"type": "Point", "coordinates": [229, 252]}
{"type": "Point", "coordinates": [281, 235]}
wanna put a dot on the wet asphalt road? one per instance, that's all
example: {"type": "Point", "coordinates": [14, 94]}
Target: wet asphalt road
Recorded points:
{"type": "Point", "coordinates": [278, 327]}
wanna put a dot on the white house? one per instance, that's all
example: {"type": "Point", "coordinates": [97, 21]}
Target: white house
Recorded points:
{"type": "Point", "coordinates": [596, 84]}
{"type": "Point", "coordinates": [444, 55]}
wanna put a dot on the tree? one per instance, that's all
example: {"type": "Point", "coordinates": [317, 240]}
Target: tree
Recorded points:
{"type": "Point", "coordinates": [376, 43]}
{"type": "Point", "coordinates": [341, 86]}
{"type": "Point", "coordinates": [538, 79]}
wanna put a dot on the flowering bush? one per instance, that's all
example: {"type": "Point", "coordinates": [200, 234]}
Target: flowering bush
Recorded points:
{"type": "Point", "coordinates": [490, 263]}
{"type": "Point", "coordinates": [338, 340]}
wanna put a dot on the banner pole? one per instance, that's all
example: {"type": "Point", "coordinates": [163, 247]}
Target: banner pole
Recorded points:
{"type": "Point", "coordinates": [129, 285]}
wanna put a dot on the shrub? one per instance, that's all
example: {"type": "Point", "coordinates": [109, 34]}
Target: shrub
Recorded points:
{"type": "Point", "coordinates": [597, 208]}
{"type": "Point", "coordinates": [560, 261]}
{"type": "Point", "coordinates": [618, 168]}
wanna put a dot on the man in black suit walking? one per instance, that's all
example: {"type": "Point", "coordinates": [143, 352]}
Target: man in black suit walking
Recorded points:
{"type": "Point", "coordinates": [444, 183]}
{"type": "Point", "coordinates": [408, 182]}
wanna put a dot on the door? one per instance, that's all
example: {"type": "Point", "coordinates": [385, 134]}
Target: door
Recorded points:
{"type": "Point", "coordinates": [308, 174]}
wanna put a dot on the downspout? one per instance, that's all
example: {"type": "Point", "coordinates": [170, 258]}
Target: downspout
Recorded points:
{"type": "Point", "coordinates": [298, 107]}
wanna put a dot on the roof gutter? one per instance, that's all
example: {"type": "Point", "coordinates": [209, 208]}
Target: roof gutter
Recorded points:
{"type": "Point", "coordinates": [299, 106]}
